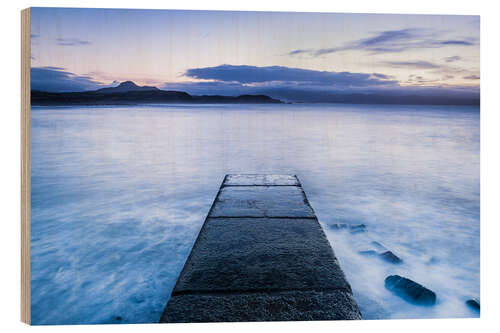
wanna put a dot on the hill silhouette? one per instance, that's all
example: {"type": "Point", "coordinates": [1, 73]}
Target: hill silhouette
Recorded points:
{"type": "Point", "coordinates": [125, 87]}
{"type": "Point", "coordinates": [129, 93]}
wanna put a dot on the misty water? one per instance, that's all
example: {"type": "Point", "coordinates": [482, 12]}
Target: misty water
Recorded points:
{"type": "Point", "coordinates": [120, 193]}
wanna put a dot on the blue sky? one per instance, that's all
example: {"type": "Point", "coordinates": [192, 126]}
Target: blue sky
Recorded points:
{"type": "Point", "coordinates": [239, 52]}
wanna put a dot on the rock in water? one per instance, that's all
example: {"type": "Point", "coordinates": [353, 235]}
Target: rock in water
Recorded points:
{"type": "Point", "coordinates": [474, 304]}
{"type": "Point", "coordinates": [354, 228]}
{"type": "Point", "coordinates": [390, 257]}
{"type": "Point", "coordinates": [338, 226]}
{"type": "Point", "coordinates": [357, 228]}
{"type": "Point", "coordinates": [410, 290]}
{"type": "Point", "coordinates": [368, 253]}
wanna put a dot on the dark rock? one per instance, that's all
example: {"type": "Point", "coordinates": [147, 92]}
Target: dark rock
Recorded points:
{"type": "Point", "coordinates": [118, 318]}
{"type": "Point", "coordinates": [353, 228]}
{"type": "Point", "coordinates": [338, 226]}
{"type": "Point", "coordinates": [390, 257]}
{"type": "Point", "coordinates": [368, 252]}
{"type": "Point", "coordinates": [473, 303]}
{"type": "Point", "coordinates": [357, 228]}
{"type": "Point", "coordinates": [410, 290]}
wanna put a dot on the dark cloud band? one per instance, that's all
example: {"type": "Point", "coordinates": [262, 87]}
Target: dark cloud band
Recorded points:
{"type": "Point", "coordinates": [391, 41]}
{"type": "Point", "coordinates": [56, 79]}
{"type": "Point", "coordinates": [286, 75]}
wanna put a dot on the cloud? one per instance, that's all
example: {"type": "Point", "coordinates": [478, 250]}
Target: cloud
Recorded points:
{"type": "Point", "coordinates": [455, 42]}
{"type": "Point", "coordinates": [299, 51]}
{"type": "Point", "coordinates": [54, 68]}
{"type": "Point", "coordinates": [391, 36]}
{"type": "Point", "coordinates": [452, 58]}
{"type": "Point", "coordinates": [412, 64]}
{"type": "Point", "coordinates": [455, 71]}
{"type": "Point", "coordinates": [472, 77]}
{"type": "Point", "coordinates": [382, 76]}
{"type": "Point", "coordinates": [303, 85]}
{"type": "Point", "coordinates": [417, 80]}
{"type": "Point", "coordinates": [56, 79]}
{"type": "Point", "coordinates": [71, 42]}
{"type": "Point", "coordinates": [390, 41]}
{"type": "Point", "coordinates": [279, 75]}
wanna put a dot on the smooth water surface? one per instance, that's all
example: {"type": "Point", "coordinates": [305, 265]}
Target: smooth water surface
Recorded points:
{"type": "Point", "coordinates": [120, 193]}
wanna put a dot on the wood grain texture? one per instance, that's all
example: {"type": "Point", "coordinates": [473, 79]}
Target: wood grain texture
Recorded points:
{"type": "Point", "coordinates": [25, 166]}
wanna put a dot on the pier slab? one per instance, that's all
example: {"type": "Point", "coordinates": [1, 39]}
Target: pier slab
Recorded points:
{"type": "Point", "coordinates": [261, 201]}
{"type": "Point", "coordinates": [261, 180]}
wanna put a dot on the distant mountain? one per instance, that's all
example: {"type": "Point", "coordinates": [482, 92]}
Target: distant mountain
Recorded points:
{"type": "Point", "coordinates": [125, 87]}
{"type": "Point", "coordinates": [129, 93]}
{"type": "Point", "coordinates": [443, 97]}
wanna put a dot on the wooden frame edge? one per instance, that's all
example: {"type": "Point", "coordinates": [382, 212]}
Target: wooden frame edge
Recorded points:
{"type": "Point", "coordinates": [25, 166]}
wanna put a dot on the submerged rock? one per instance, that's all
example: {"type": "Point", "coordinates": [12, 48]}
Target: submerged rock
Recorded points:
{"type": "Point", "coordinates": [390, 257]}
{"type": "Point", "coordinates": [338, 226]}
{"type": "Point", "coordinates": [368, 252]}
{"type": "Point", "coordinates": [353, 228]}
{"type": "Point", "coordinates": [357, 228]}
{"type": "Point", "coordinates": [410, 290]}
{"type": "Point", "coordinates": [474, 304]}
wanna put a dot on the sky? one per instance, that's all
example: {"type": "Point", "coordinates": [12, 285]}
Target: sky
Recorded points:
{"type": "Point", "coordinates": [224, 52]}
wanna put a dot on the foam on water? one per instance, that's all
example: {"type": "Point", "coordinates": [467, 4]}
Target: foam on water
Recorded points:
{"type": "Point", "coordinates": [119, 195]}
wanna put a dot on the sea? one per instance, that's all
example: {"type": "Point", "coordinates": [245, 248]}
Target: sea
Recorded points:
{"type": "Point", "coordinates": [119, 194]}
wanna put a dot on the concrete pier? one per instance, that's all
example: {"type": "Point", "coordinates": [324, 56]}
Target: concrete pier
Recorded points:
{"type": "Point", "coordinates": [261, 255]}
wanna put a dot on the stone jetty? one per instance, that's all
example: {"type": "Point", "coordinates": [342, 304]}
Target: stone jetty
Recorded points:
{"type": "Point", "coordinates": [261, 255]}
